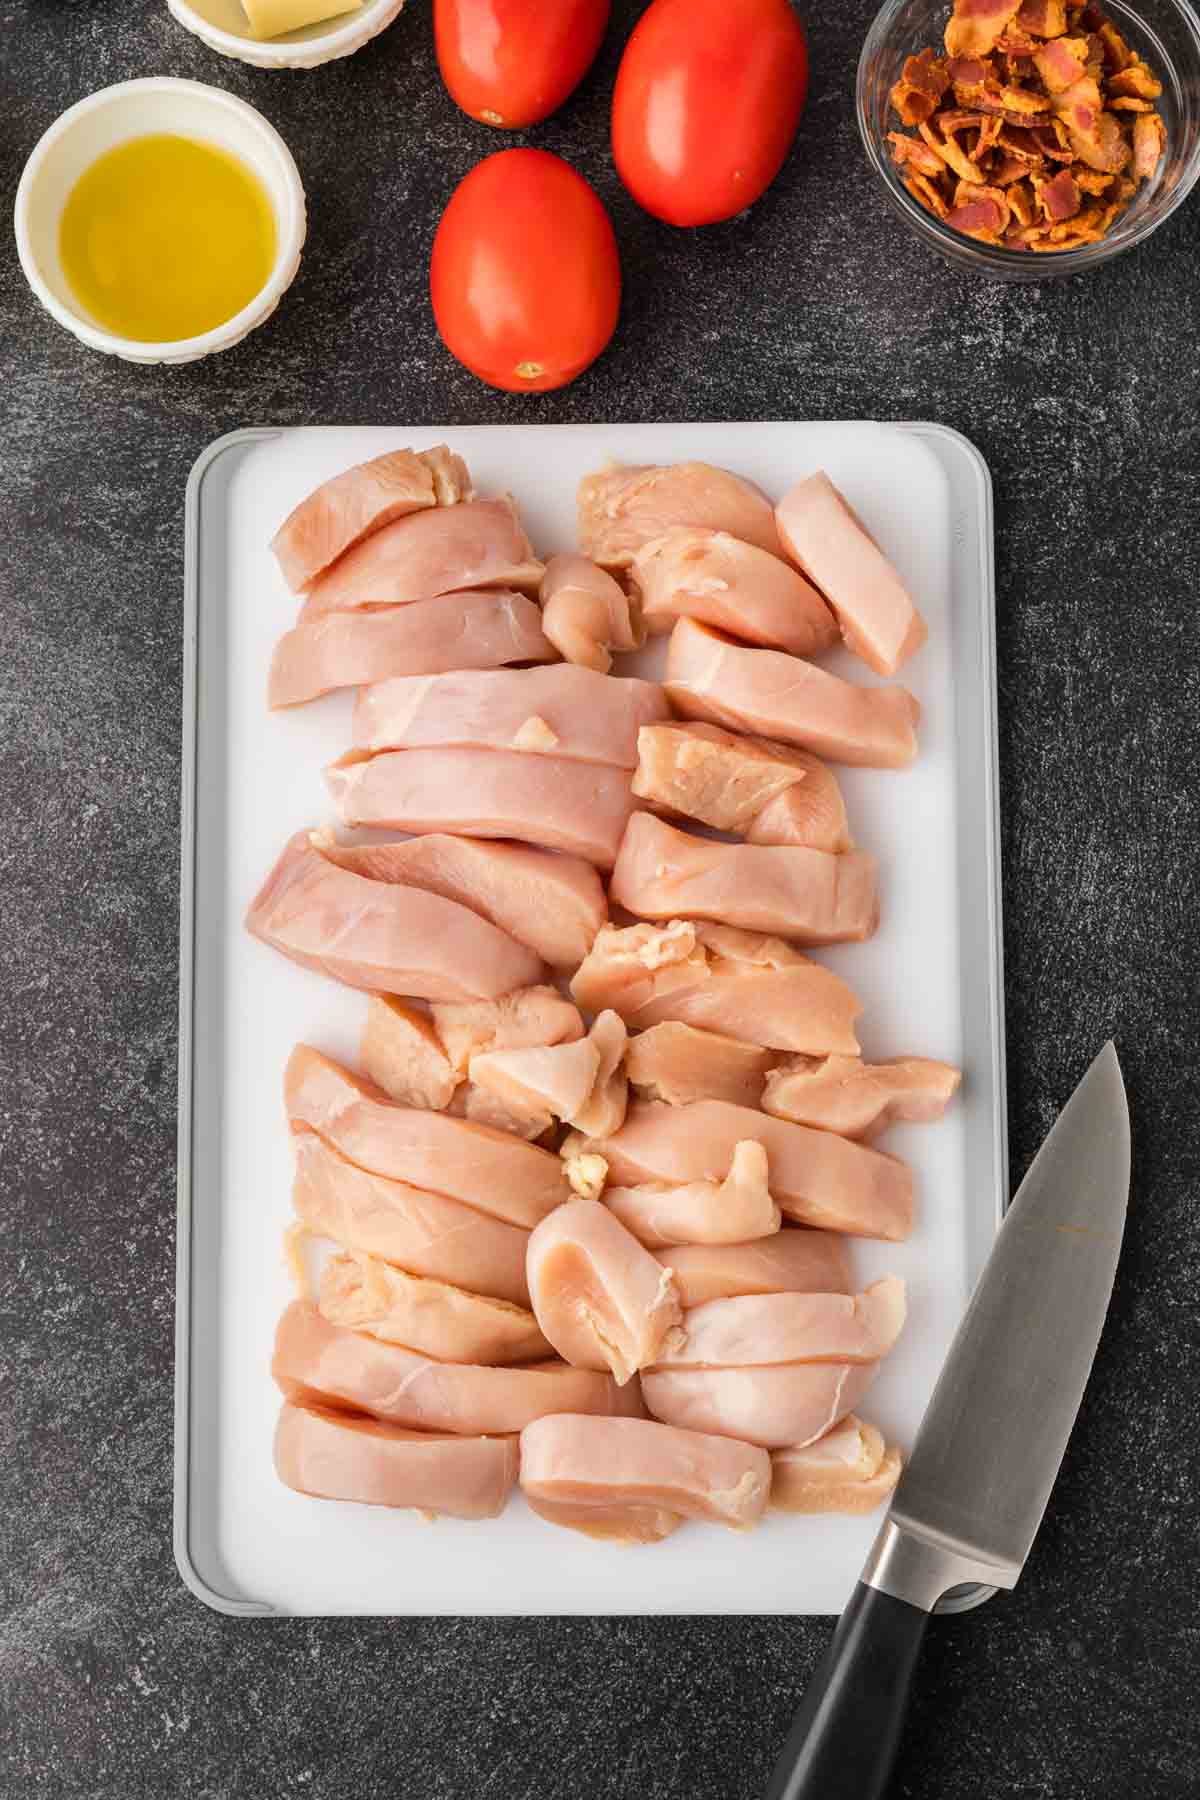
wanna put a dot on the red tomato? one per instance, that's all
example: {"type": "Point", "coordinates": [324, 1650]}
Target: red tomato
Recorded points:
{"type": "Point", "coordinates": [707, 101]}
{"type": "Point", "coordinates": [525, 280]}
{"type": "Point", "coordinates": [513, 62]}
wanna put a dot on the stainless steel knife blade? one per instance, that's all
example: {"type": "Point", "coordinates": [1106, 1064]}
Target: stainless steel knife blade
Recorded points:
{"type": "Point", "coordinates": [972, 1496]}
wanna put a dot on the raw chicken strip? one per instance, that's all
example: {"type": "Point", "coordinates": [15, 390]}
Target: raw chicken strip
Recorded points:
{"type": "Point", "coordinates": [678, 1064]}
{"type": "Point", "coordinates": [763, 691]}
{"type": "Point", "coordinates": [701, 1212]}
{"type": "Point", "coordinates": [807, 895]}
{"type": "Point", "coordinates": [620, 509]}
{"type": "Point", "coordinates": [315, 1360]}
{"type": "Point", "coordinates": [857, 1099]}
{"type": "Point", "coordinates": [747, 986]}
{"type": "Point", "coordinates": [536, 1015]}
{"type": "Point", "coordinates": [364, 1294]}
{"type": "Point", "coordinates": [486, 1169]}
{"type": "Point", "coordinates": [825, 537]}
{"type": "Point", "coordinates": [402, 1054]}
{"type": "Point", "coordinates": [769, 793]}
{"type": "Point", "coordinates": [477, 544]}
{"type": "Point", "coordinates": [585, 1462]}
{"type": "Point", "coordinates": [558, 1078]}
{"type": "Point", "coordinates": [581, 808]}
{"type": "Point", "coordinates": [459, 631]}
{"type": "Point", "coordinates": [336, 1456]}
{"type": "Point", "coordinates": [708, 575]}
{"type": "Point", "coordinates": [770, 1329]}
{"type": "Point", "coordinates": [816, 1178]}
{"type": "Point", "coordinates": [553, 904]}
{"type": "Point", "coordinates": [580, 1082]}
{"type": "Point", "coordinates": [348, 508]}
{"type": "Point", "coordinates": [847, 1470]}
{"type": "Point", "coordinates": [586, 614]}
{"type": "Point", "coordinates": [811, 816]}
{"type": "Point", "coordinates": [794, 1261]}
{"type": "Point", "coordinates": [582, 716]}
{"type": "Point", "coordinates": [425, 1233]}
{"type": "Point", "coordinates": [777, 1408]}
{"type": "Point", "coordinates": [377, 935]}
{"type": "Point", "coordinates": [476, 1103]}
{"type": "Point", "coordinates": [601, 1300]}
{"type": "Point", "coordinates": [604, 1109]}
{"type": "Point", "coordinates": [608, 1521]}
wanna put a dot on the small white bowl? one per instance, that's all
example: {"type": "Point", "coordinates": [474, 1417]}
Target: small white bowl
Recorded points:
{"type": "Point", "coordinates": [135, 109]}
{"type": "Point", "coordinates": [222, 25]}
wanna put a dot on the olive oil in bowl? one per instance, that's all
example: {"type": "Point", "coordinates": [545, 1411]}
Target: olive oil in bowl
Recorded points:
{"type": "Point", "coordinates": [166, 237]}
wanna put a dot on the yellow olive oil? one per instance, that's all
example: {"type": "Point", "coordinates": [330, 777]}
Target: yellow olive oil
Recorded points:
{"type": "Point", "coordinates": [165, 237]}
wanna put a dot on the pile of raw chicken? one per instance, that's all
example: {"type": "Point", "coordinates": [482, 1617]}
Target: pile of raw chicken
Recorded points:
{"type": "Point", "coordinates": [586, 1195]}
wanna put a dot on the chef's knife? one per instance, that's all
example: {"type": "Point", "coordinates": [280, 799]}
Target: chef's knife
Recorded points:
{"type": "Point", "coordinates": [973, 1493]}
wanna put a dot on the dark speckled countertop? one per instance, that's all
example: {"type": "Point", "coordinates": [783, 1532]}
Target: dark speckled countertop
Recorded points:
{"type": "Point", "coordinates": [115, 1684]}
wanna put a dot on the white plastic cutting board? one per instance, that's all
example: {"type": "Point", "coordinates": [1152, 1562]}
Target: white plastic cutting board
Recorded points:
{"type": "Point", "coordinates": [243, 1536]}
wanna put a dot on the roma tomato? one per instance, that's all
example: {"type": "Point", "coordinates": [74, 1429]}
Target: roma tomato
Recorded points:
{"type": "Point", "coordinates": [513, 62]}
{"type": "Point", "coordinates": [707, 101]}
{"type": "Point", "coordinates": [525, 279]}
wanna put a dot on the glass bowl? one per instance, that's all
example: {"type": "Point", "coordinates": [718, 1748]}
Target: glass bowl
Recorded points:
{"type": "Point", "coordinates": [1165, 32]}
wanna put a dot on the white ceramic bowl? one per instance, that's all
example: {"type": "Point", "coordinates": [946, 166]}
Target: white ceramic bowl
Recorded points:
{"type": "Point", "coordinates": [221, 24]}
{"type": "Point", "coordinates": [134, 109]}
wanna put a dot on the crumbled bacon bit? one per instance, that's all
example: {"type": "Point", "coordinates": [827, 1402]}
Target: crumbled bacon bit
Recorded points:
{"type": "Point", "coordinates": [1043, 18]}
{"type": "Point", "coordinates": [921, 85]}
{"type": "Point", "coordinates": [1034, 130]}
{"type": "Point", "coordinates": [1059, 197]}
{"type": "Point", "coordinates": [1136, 82]}
{"type": "Point", "coordinates": [1149, 142]}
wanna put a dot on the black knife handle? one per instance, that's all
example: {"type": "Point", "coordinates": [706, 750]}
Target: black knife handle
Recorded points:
{"type": "Point", "coordinates": [845, 1736]}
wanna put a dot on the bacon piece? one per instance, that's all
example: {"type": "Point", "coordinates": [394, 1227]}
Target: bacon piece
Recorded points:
{"type": "Point", "coordinates": [1015, 43]}
{"type": "Point", "coordinates": [1131, 106]}
{"type": "Point", "coordinates": [912, 153]}
{"type": "Point", "coordinates": [989, 132]}
{"type": "Point", "coordinates": [969, 71]}
{"type": "Point", "coordinates": [966, 195]}
{"type": "Point", "coordinates": [1021, 201]}
{"type": "Point", "coordinates": [1043, 18]}
{"type": "Point", "coordinates": [922, 188]}
{"type": "Point", "coordinates": [1059, 198]}
{"type": "Point", "coordinates": [1061, 63]}
{"type": "Point", "coordinates": [1094, 135]}
{"type": "Point", "coordinates": [1149, 142]}
{"type": "Point", "coordinates": [1053, 140]}
{"type": "Point", "coordinates": [1091, 181]}
{"type": "Point", "coordinates": [921, 85]}
{"type": "Point", "coordinates": [1008, 174]}
{"type": "Point", "coordinates": [1136, 81]}
{"type": "Point", "coordinates": [981, 219]}
{"type": "Point", "coordinates": [1117, 54]}
{"type": "Point", "coordinates": [976, 25]}
{"type": "Point", "coordinates": [951, 154]}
